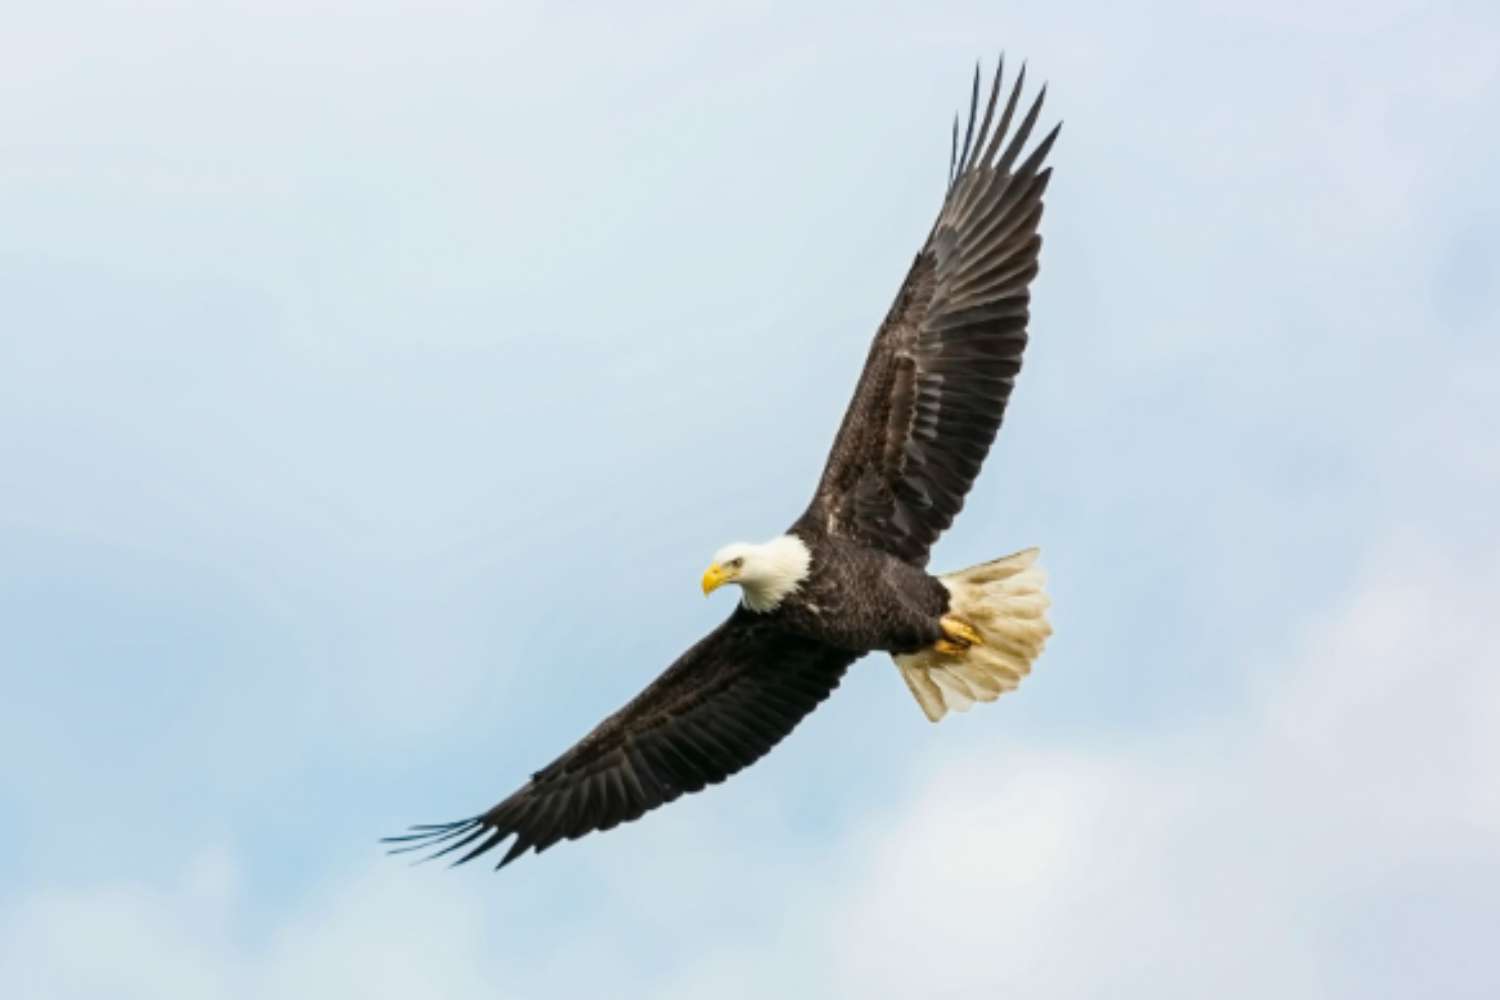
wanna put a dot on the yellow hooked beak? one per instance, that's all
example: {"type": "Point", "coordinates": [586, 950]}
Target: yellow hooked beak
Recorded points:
{"type": "Point", "coordinates": [715, 577]}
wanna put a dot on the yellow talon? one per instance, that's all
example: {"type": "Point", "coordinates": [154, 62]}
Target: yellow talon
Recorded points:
{"type": "Point", "coordinates": [949, 648]}
{"type": "Point", "coordinates": [959, 632]}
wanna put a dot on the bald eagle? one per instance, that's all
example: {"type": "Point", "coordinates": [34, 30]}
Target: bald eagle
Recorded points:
{"type": "Point", "coordinates": [848, 577]}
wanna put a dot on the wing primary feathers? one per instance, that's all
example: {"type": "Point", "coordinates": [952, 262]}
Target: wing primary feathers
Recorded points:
{"type": "Point", "coordinates": [430, 835]}
{"type": "Point", "coordinates": [974, 189]}
{"type": "Point", "coordinates": [1029, 165]}
{"type": "Point", "coordinates": [1022, 133]}
{"type": "Point", "coordinates": [953, 154]}
{"type": "Point", "coordinates": [998, 224]}
{"type": "Point", "coordinates": [963, 158]}
{"type": "Point", "coordinates": [516, 850]}
{"type": "Point", "coordinates": [495, 837]}
{"type": "Point", "coordinates": [553, 817]}
{"type": "Point", "coordinates": [417, 830]}
{"type": "Point", "coordinates": [459, 844]}
{"type": "Point", "coordinates": [523, 826]}
{"type": "Point", "coordinates": [1020, 208]}
{"type": "Point", "coordinates": [1005, 117]}
{"type": "Point", "coordinates": [989, 112]}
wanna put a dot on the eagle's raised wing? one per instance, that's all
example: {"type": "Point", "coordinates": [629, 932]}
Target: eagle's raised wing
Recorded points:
{"type": "Point", "coordinates": [940, 371]}
{"type": "Point", "coordinates": [719, 708]}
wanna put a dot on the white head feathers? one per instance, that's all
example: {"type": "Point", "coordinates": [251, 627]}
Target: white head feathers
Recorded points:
{"type": "Point", "coordinates": [767, 573]}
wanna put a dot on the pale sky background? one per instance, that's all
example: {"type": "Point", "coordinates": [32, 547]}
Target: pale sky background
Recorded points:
{"type": "Point", "coordinates": [376, 379]}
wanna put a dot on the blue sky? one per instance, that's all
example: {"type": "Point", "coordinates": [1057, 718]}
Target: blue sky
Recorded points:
{"type": "Point", "coordinates": [375, 381]}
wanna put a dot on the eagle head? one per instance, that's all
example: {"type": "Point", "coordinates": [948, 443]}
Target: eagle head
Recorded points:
{"type": "Point", "coordinates": [767, 573]}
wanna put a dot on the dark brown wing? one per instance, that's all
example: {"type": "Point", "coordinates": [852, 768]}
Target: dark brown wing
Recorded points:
{"type": "Point", "coordinates": [940, 372]}
{"type": "Point", "coordinates": [719, 708]}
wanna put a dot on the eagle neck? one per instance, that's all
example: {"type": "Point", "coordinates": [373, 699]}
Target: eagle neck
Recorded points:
{"type": "Point", "coordinates": [782, 565]}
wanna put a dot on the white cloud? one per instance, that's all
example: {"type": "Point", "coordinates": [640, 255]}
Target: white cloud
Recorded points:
{"type": "Point", "coordinates": [382, 934]}
{"type": "Point", "coordinates": [121, 940]}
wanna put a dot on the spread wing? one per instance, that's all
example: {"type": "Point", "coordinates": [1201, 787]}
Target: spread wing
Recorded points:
{"type": "Point", "coordinates": [940, 371]}
{"type": "Point", "coordinates": [719, 708]}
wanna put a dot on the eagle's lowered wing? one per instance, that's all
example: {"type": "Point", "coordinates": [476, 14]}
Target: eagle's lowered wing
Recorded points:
{"type": "Point", "coordinates": [719, 708]}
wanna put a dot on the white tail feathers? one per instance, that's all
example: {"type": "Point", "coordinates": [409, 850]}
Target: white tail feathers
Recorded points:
{"type": "Point", "coordinates": [1004, 602]}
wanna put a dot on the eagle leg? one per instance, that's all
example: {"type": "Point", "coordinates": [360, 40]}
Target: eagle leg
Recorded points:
{"type": "Point", "coordinates": [958, 636]}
